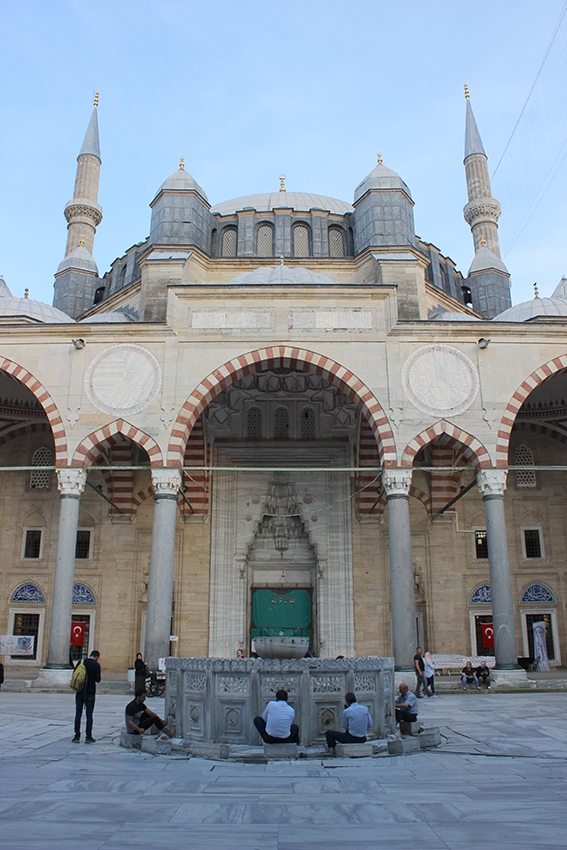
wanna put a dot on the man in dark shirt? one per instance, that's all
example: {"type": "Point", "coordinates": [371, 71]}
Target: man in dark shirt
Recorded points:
{"type": "Point", "coordinates": [419, 665]}
{"type": "Point", "coordinates": [140, 718]}
{"type": "Point", "coordinates": [86, 697]}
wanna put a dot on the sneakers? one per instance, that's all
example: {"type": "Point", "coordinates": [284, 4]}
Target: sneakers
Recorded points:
{"type": "Point", "coordinates": [76, 739]}
{"type": "Point", "coordinates": [488, 687]}
{"type": "Point", "coordinates": [90, 741]}
{"type": "Point", "coordinates": [464, 687]}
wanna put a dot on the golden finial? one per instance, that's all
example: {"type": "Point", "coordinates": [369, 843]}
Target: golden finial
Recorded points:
{"type": "Point", "coordinates": [467, 92]}
{"type": "Point", "coordinates": [281, 178]}
{"type": "Point", "coordinates": [536, 291]}
{"type": "Point", "coordinates": [482, 241]}
{"type": "Point", "coordinates": [81, 241]}
{"type": "Point", "coordinates": [95, 103]}
{"type": "Point", "coordinates": [182, 163]}
{"type": "Point", "coordinates": [26, 293]}
{"type": "Point", "coordinates": [380, 160]}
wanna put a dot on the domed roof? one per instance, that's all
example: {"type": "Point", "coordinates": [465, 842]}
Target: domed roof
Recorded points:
{"type": "Point", "coordinates": [181, 181]}
{"type": "Point", "coordinates": [485, 259]}
{"type": "Point", "coordinates": [280, 276]}
{"type": "Point", "coordinates": [380, 178]}
{"type": "Point", "coordinates": [560, 290]}
{"type": "Point", "coordinates": [530, 309]}
{"type": "Point", "coordinates": [268, 201]}
{"type": "Point", "coordinates": [4, 289]}
{"type": "Point", "coordinates": [79, 260]}
{"type": "Point", "coordinates": [12, 308]}
{"type": "Point", "coordinates": [447, 316]}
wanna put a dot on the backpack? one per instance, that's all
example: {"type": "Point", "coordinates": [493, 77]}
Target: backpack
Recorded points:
{"type": "Point", "coordinates": [78, 677]}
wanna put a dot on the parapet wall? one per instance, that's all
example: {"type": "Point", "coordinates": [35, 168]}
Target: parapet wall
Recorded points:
{"type": "Point", "coordinates": [216, 699]}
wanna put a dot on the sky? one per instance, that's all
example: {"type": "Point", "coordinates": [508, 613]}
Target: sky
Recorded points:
{"type": "Point", "coordinates": [248, 90]}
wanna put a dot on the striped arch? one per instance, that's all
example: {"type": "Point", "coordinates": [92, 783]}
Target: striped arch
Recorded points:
{"type": "Point", "coordinates": [545, 430]}
{"type": "Point", "coordinates": [24, 431]}
{"type": "Point", "coordinates": [473, 448]}
{"type": "Point", "coordinates": [532, 381]}
{"type": "Point", "coordinates": [88, 449]}
{"type": "Point", "coordinates": [141, 496]}
{"type": "Point", "coordinates": [274, 357]}
{"type": "Point", "coordinates": [56, 422]}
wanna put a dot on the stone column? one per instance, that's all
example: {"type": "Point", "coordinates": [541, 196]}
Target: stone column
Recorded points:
{"type": "Point", "coordinates": [396, 483]}
{"type": "Point", "coordinates": [71, 483]}
{"type": "Point", "coordinates": [492, 483]}
{"type": "Point", "coordinates": [166, 484]}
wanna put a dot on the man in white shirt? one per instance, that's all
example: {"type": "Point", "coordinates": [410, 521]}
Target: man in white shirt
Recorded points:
{"type": "Point", "coordinates": [356, 721]}
{"type": "Point", "coordinates": [276, 725]}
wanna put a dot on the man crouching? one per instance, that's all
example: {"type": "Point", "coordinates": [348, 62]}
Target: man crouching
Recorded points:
{"type": "Point", "coordinates": [139, 718]}
{"type": "Point", "coordinates": [276, 725]}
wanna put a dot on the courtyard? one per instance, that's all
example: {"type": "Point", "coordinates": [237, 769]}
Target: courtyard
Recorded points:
{"type": "Point", "coordinates": [498, 780]}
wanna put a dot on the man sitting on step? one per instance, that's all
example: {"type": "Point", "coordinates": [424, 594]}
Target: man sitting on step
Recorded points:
{"type": "Point", "coordinates": [356, 721]}
{"type": "Point", "coordinates": [276, 725]}
{"type": "Point", "coordinates": [140, 718]}
{"type": "Point", "coordinates": [406, 704]}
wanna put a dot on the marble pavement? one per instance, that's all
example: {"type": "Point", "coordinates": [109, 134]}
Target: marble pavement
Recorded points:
{"type": "Point", "coordinates": [499, 780]}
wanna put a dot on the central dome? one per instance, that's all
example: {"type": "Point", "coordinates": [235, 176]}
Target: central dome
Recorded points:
{"type": "Point", "coordinates": [268, 201]}
{"type": "Point", "coordinates": [280, 276]}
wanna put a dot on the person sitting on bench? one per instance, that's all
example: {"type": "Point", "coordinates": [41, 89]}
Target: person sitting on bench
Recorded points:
{"type": "Point", "coordinates": [356, 721]}
{"type": "Point", "coordinates": [406, 704]}
{"type": "Point", "coordinates": [483, 674]}
{"type": "Point", "coordinates": [140, 718]}
{"type": "Point", "coordinates": [468, 675]}
{"type": "Point", "coordinates": [276, 725]}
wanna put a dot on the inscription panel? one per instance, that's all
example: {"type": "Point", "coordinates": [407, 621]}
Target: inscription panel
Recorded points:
{"type": "Point", "coordinates": [123, 379]}
{"type": "Point", "coordinates": [234, 320]}
{"type": "Point", "coordinates": [333, 319]}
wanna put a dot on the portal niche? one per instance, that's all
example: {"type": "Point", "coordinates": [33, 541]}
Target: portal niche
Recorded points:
{"type": "Point", "coordinates": [277, 613]}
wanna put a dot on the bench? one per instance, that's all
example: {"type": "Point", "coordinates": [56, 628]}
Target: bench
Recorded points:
{"type": "Point", "coordinates": [456, 662]}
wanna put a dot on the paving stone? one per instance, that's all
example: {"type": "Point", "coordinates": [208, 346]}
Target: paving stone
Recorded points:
{"type": "Point", "coordinates": [403, 747]}
{"type": "Point", "coordinates": [380, 746]}
{"type": "Point", "coordinates": [209, 751]}
{"type": "Point", "coordinates": [429, 738]}
{"type": "Point", "coordinates": [354, 751]}
{"type": "Point", "coordinates": [280, 751]}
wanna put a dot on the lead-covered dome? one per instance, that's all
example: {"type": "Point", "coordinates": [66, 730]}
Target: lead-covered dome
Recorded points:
{"type": "Point", "coordinates": [268, 201]}
{"type": "Point", "coordinates": [27, 309]}
{"type": "Point", "coordinates": [281, 275]}
{"type": "Point", "coordinates": [380, 178]}
{"type": "Point", "coordinates": [527, 310]}
{"type": "Point", "coordinates": [182, 181]}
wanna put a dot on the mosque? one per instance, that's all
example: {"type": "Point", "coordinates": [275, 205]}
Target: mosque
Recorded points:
{"type": "Point", "coordinates": [283, 414]}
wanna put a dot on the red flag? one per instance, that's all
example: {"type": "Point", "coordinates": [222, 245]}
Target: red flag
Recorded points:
{"type": "Point", "coordinates": [77, 634]}
{"type": "Point", "coordinates": [487, 635]}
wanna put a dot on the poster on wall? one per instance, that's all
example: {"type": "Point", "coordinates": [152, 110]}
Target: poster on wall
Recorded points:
{"type": "Point", "coordinates": [540, 646]}
{"type": "Point", "coordinates": [16, 644]}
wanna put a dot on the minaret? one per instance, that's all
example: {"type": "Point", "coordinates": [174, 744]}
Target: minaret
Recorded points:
{"type": "Point", "coordinates": [82, 212]}
{"type": "Point", "coordinates": [482, 211]}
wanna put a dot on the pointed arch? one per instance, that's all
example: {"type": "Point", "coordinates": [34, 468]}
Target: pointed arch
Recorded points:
{"type": "Point", "coordinates": [88, 449]}
{"type": "Point", "coordinates": [277, 357]}
{"type": "Point", "coordinates": [51, 411]}
{"type": "Point", "coordinates": [537, 377]}
{"type": "Point", "coordinates": [473, 448]}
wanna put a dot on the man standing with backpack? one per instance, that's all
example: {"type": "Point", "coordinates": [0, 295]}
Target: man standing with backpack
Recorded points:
{"type": "Point", "coordinates": [86, 697]}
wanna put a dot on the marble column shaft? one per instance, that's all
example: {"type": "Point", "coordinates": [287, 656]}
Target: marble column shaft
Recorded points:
{"type": "Point", "coordinates": [71, 483]}
{"type": "Point", "coordinates": [166, 483]}
{"type": "Point", "coordinates": [492, 484]}
{"type": "Point", "coordinates": [396, 484]}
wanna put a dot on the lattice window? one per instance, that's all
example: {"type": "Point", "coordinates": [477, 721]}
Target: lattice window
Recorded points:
{"type": "Point", "coordinates": [83, 544]}
{"type": "Point", "coordinates": [532, 543]}
{"type": "Point", "coordinates": [336, 243]}
{"type": "Point", "coordinates": [523, 456]}
{"type": "Point", "coordinates": [83, 595]}
{"type": "Point", "coordinates": [32, 543]}
{"type": "Point", "coordinates": [254, 423]}
{"type": "Point", "coordinates": [28, 592]}
{"type": "Point", "coordinates": [265, 241]}
{"type": "Point", "coordinates": [307, 423]}
{"type": "Point", "coordinates": [300, 241]}
{"type": "Point", "coordinates": [229, 242]}
{"type": "Point", "coordinates": [39, 479]}
{"type": "Point", "coordinates": [481, 544]}
{"type": "Point", "coordinates": [281, 423]}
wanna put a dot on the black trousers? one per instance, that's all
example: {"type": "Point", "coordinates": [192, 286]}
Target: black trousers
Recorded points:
{"type": "Point", "coordinates": [146, 721]}
{"type": "Point", "coordinates": [342, 738]}
{"type": "Point", "coordinates": [260, 725]}
{"type": "Point", "coordinates": [405, 714]}
{"type": "Point", "coordinates": [87, 700]}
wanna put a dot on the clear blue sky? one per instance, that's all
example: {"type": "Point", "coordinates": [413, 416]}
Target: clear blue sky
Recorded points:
{"type": "Point", "coordinates": [247, 90]}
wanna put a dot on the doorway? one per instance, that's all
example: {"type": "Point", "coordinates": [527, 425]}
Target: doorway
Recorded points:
{"type": "Point", "coordinates": [276, 613]}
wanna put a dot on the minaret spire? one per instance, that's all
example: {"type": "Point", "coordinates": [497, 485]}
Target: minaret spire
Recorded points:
{"type": "Point", "coordinates": [83, 212]}
{"type": "Point", "coordinates": [482, 211]}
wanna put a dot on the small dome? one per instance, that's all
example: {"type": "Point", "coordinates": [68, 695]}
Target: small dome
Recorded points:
{"type": "Point", "coordinates": [268, 201]}
{"type": "Point", "coordinates": [560, 290]}
{"type": "Point", "coordinates": [4, 289]}
{"type": "Point", "coordinates": [280, 276]}
{"type": "Point", "coordinates": [13, 308]}
{"type": "Point", "coordinates": [380, 178]}
{"type": "Point", "coordinates": [485, 260]}
{"type": "Point", "coordinates": [446, 316]}
{"type": "Point", "coordinates": [79, 260]}
{"type": "Point", "coordinates": [530, 309]}
{"type": "Point", "coordinates": [181, 181]}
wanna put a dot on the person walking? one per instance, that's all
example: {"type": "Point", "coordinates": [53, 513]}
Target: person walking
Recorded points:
{"type": "Point", "coordinates": [419, 665]}
{"type": "Point", "coordinates": [86, 698]}
{"type": "Point", "coordinates": [429, 673]}
{"type": "Point", "coordinates": [140, 673]}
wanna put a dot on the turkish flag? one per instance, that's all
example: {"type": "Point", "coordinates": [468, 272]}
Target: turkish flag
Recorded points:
{"type": "Point", "coordinates": [487, 635]}
{"type": "Point", "coordinates": [77, 634]}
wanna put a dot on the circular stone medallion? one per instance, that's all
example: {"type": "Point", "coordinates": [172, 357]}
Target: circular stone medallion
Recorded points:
{"type": "Point", "coordinates": [123, 379]}
{"type": "Point", "coordinates": [440, 380]}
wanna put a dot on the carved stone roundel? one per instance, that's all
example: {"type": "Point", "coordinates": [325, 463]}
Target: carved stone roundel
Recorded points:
{"type": "Point", "coordinates": [123, 379]}
{"type": "Point", "coordinates": [440, 380]}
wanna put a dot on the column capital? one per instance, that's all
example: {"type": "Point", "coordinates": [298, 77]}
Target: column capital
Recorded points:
{"type": "Point", "coordinates": [491, 482]}
{"type": "Point", "coordinates": [396, 482]}
{"type": "Point", "coordinates": [71, 482]}
{"type": "Point", "coordinates": [166, 482]}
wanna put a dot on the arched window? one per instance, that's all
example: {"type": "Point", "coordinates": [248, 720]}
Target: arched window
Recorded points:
{"type": "Point", "coordinates": [336, 242]}
{"type": "Point", "coordinates": [307, 423]}
{"type": "Point", "coordinates": [254, 423]}
{"type": "Point", "coordinates": [229, 239]}
{"type": "Point", "coordinates": [481, 595]}
{"type": "Point", "coordinates": [523, 456]}
{"type": "Point", "coordinates": [281, 423]}
{"type": "Point", "coordinates": [123, 272]}
{"type": "Point", "coordinates": [537, 593]}
{"type": "Point", "coordinates": [39, 479]}
{"type": "Point", "coordinates": [265, 241]}
{"type": "Point", "coordinates": [28, 593]}
{"type": "Point", "coordinates": [83, 595]}
{"type": "Point", "coordinates": [214, 242]}
{"type": "Point", "coordinates": [300, 240]}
